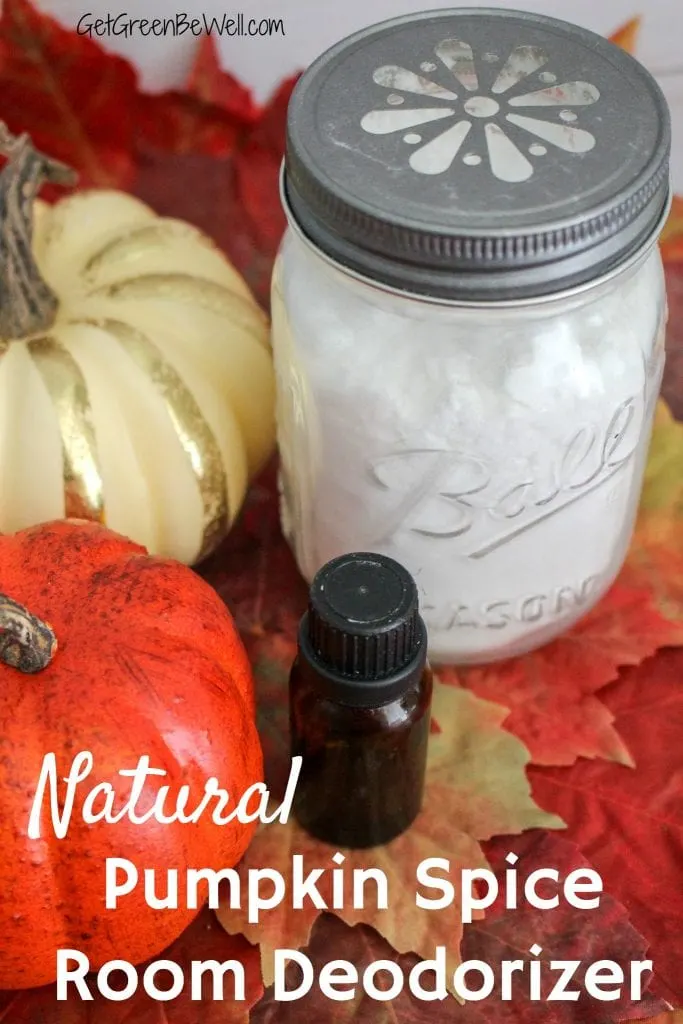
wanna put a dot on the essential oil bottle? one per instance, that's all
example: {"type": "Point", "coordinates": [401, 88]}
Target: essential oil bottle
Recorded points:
{"type": "Point", "coordinates": [360, 697]}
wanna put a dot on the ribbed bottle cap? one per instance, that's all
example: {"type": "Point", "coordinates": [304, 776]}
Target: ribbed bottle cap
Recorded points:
{"type": "Point", "coordinates": [363, 632]}
{"type": "Point", "coordinates": [477, 154]}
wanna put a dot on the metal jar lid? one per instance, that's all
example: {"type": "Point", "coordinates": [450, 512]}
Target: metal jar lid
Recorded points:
{"type": "Point", "coordinates": [477, 154]}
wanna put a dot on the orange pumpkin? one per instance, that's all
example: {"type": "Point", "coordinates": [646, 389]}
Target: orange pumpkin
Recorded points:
{"type": "Point", "coordinates": [147, 662]}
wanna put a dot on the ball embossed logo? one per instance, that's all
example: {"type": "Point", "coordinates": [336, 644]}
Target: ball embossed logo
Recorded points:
{"type": "Point", "coordinates": [505, 111]}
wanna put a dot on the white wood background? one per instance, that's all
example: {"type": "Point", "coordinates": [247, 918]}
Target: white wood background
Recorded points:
{"type": "Point", "coordinates": [312, 25]}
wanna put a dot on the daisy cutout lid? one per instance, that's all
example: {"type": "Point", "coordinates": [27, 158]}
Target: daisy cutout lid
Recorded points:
{"type": "Point", "coordinates": [477, 155]}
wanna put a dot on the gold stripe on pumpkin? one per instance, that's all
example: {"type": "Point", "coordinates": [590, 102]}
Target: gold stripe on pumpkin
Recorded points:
{"type": "Point", "coordinates": [157, 235]}
{"type": "Point", "coordinates": [66, 385]}
{"type": "Point", "coordinates": [153, 235]}
{"type": "Point", "coordinates": [196, 290]}
{"type": "Point", "coordinates": [193, 431]}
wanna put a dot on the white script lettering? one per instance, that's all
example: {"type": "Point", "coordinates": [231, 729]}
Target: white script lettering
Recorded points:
{"type": "Point", "coordinates": [104, 795]}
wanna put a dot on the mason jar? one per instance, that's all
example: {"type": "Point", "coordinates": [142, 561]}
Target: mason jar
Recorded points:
{"type": "Point", "coordinates": [469, 314]}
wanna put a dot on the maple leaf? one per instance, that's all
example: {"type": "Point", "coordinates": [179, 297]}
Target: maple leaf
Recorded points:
{"type": "Point", "coordinates": [203, 940]}
{"type": "Point", "coordinates": [564, 933]}
{"type": "Point", "coordinates": [627, 35]}
{"type": "Point", "coordinates": [177, 124]}
{"type": "Point", "coordinates": [551, 692]}
{"type": "Point", "coordinates": [476, 787]}
{"type": "Point", "coordinates": [76, 101]}
{"type": "Point", "coordinates": [210, 83]}
{"type": "Point", "coordinates": [630, 824]}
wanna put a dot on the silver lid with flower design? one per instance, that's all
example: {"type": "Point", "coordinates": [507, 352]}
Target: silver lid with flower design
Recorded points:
{"type": "Point", "coordinates": [477, 154]}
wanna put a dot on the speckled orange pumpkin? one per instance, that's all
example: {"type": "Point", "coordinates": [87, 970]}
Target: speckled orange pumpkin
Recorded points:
{"type": "Point", "coordinates": [147, 661]}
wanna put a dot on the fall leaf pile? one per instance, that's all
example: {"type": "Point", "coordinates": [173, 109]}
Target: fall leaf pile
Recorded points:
{"type": "Point", "coordinates": [577, 745]}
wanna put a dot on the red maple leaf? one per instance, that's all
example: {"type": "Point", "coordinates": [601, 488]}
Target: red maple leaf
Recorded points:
{"type": "Point", "coordinates": [563, 933]}
{"type": "Point", "coordinates": [211, 84]}
{"type": "Point", "coordinates": [177, 124]}
{"type": "Point", "coordinates": [629, 824]}
{"type": "Point", "coordinates": [77, 102]}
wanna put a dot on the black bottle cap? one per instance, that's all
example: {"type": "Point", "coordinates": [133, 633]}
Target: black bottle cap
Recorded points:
{"type": "Point", "coordinates": [362, 633]}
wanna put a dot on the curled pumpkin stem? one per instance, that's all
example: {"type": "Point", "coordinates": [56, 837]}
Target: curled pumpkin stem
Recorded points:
{"type": "Point", "coordinates": [26, 642]}
{"type": "Point", "coordinates": [27, 304]}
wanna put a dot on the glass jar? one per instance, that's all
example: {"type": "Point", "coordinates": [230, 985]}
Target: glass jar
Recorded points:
{"type": "Point", "coordinates": [468, 367]}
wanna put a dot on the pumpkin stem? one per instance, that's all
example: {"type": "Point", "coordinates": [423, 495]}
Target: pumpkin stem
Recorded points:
{"type": "Point", "coordinates": [26, 643]}
{"type": "Point", "coordinates": [27, 303]}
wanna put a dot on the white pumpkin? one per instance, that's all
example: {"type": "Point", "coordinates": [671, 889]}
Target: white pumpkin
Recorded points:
{"type": "Point", "coordinates": [148, 403]}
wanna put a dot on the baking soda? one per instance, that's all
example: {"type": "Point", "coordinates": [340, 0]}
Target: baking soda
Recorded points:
{"type": "Point", "coordinates": [496, 452]}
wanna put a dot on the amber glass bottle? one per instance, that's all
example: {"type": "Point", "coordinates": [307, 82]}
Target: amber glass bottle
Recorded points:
{"type": "Point", "coordinates": [360, 696]}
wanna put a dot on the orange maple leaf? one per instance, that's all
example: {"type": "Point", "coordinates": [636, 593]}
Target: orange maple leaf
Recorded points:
{"type": "Point", "coordinates": [627, 35]}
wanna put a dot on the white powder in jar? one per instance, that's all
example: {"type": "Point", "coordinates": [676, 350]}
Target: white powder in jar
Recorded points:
{"type": "Point", "coordinates": [497, 454]}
